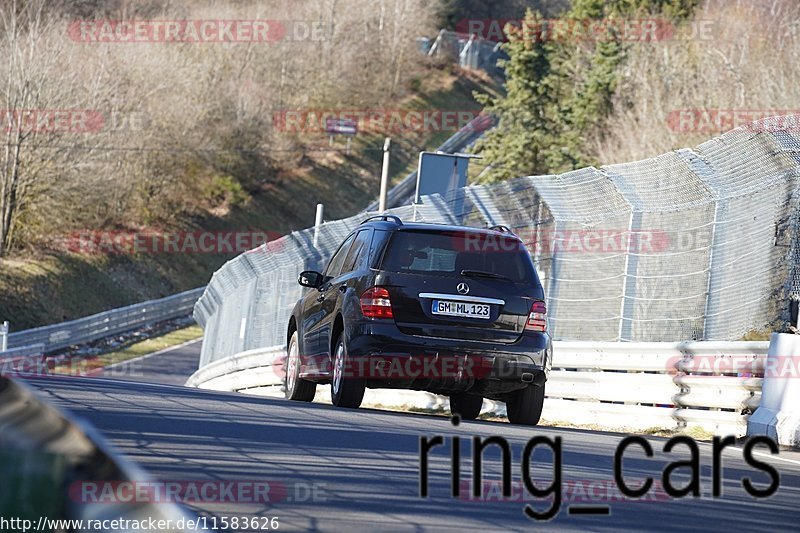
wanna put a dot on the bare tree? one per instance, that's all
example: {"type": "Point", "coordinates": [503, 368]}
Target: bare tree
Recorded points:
{"type": "Point", "coordinates": [207, 107]}
{"type": "Point", "coordinates": [32, 59]}
{"type": "Point", "coordinates": [733, 57]}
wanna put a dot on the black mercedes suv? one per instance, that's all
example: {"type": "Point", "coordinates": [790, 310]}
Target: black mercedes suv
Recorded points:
{"type": "Point", "coordinates": [452, 310]}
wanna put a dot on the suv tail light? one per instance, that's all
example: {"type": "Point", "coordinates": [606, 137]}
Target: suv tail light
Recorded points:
{"type": "Point", "coordinates": [375, 303]}
{"type": "Point", "coordinates": [537, 319]}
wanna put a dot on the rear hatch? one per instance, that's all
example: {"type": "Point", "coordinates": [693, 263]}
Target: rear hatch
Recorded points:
{"type": "Point", "coordinates": [470, 285]}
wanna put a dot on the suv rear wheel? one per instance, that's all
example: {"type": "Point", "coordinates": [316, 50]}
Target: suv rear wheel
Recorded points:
{"type": "Point", "coordinates": [346, 390]}
{"type": "Point", "coordinates": [297, 388]}
{"type": "Point", "coordinates": [468, 406]}
{"type": "Point", "coordinates": [524, 406]}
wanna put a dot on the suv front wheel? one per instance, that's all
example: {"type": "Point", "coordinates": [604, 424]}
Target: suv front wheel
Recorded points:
{"type": "Point", "coordinates": [346, 390]}
{"type": "Point", "coordinates": [524, 406]}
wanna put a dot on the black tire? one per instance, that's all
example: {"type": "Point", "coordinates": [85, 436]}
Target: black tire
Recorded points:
{"type": "Point", "coordinates": [296, 388]}
{"type": "Point", "coordinates": [524, 406]}
{"type": "Point", "coordinates": [346, 390]}
{"type": "Point", "coordinates": [468, 406]}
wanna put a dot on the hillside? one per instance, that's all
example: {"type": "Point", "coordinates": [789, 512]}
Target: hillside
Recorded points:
{"type": "Point", "coordinates": [593, 90]}
{"type": "Point", "coordinates": [52, 282]}
{"type": "Point", "coordinates": [190, 131]}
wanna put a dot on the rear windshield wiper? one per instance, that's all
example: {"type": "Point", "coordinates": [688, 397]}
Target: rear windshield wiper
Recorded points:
{"type": "Point", "coordinates": [483, 274]}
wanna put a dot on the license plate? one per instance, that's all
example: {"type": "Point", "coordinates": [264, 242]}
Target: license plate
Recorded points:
{"type": "Point", "coordinates": [465, 309]}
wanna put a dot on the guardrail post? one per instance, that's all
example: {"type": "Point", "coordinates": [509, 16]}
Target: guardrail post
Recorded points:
{"type": "Point", "coordinates": [4, 336]}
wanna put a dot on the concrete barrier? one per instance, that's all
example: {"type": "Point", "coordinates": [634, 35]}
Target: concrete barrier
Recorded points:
{"type": "Point", "coordinates": [778, 415]}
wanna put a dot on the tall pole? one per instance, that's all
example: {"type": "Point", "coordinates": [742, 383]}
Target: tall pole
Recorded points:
{"type": "Point", "coordinates": [384, 175]}
{"type": "Point", "coordinates": [4, 336]}
{"type": "Point", "coordinates": [317, 223]}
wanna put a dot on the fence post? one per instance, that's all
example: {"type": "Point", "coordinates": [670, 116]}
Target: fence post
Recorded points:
{"type": "Point", "coordinates": [710, 305]}
{"type": "Point", "coordinates": [318, 223]}
{"type": "Point", "coordinates": [626, 308]}
{"type": "Point", "coordinates": [4, 336]}
{"type": "Point", "coordinates": [384, 176]}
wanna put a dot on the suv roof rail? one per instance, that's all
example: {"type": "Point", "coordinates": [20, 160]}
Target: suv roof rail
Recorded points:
{"type": "Point", "coordinates": [385, 218]}
{"type": "Point", "coordinates": [501, 229]}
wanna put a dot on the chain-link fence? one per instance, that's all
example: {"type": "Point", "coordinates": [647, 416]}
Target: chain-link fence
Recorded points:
{"type": "Point", "coordinates": [248, 301]}
{"type": "Point", "coordinates": [692, 244]}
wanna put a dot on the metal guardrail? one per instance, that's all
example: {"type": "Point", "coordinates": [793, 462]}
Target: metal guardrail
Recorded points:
{"type": "Point", "coordinates": [470, 51]}
{"type": "Point", "coordinates": [64, 334]}
{"type": "Point", "coordinates": [21, 352]}
{"type": "Point", "coordinates": [245, 370]}
{"type": "Point", "coordinates": [24, 360]}
{"type": "Point", "coordinates": [706, 384]}
{"type": "Point", "coordinates": [636, 385]}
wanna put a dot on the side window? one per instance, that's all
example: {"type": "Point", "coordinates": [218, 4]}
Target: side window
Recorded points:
{"type": "Point", "coordinates": [359, 252]}
{"type": "Point", "coordinates": [379, 238]}
{"type": "Point", "coordinates": [335, 264]}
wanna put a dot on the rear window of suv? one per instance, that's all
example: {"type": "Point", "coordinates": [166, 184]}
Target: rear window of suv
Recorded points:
{"type": "Point", "coordinates": [450, 253]}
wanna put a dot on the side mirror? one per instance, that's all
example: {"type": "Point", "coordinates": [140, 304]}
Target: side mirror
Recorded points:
{"type": "Point", "coordinates": [310, 278]}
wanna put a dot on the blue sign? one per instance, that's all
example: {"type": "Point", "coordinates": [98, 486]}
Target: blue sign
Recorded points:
{"type": "Point", "coordinates": [440, 174]}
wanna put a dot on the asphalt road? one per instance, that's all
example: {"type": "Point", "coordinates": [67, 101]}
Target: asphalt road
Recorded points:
{"type": "Point", "coordinates": [170, 366]}
{"type": "Point", "coordinates": [333, 469]}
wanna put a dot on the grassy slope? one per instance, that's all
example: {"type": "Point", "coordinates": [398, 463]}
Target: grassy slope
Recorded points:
{"type": "Point", "coordinates": [88, 365]}
{"type": "Point", "coordinates": [44, 287]}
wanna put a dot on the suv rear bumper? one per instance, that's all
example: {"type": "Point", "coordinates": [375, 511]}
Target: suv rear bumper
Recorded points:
{"type": "Point", "coordinates": [389, 358]}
